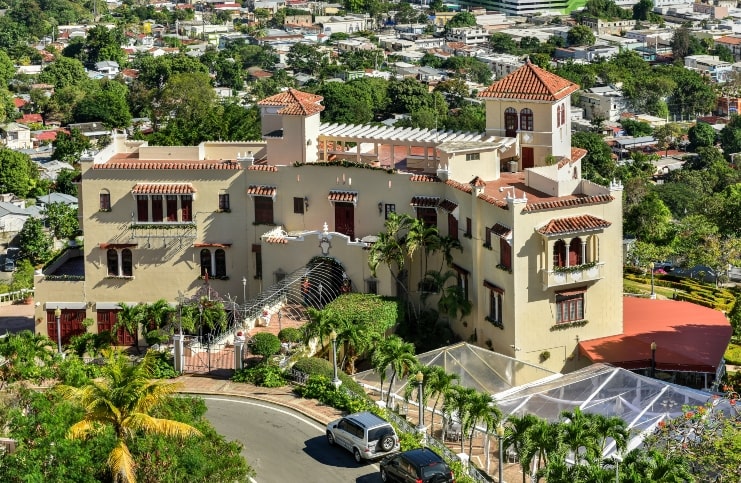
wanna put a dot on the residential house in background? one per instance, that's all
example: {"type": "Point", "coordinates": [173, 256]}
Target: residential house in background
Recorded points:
{"type": "Point", "coordinates": [15, 136]}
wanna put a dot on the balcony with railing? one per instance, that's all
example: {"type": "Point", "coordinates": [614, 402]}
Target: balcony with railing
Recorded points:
{"type": "Point", "coordinates": [588, 272]}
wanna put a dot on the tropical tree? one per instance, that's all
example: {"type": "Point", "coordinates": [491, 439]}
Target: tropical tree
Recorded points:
{"type": "Point", "coordinates": [393, 352]}
{"type": "Point", "coordinates": [544, 441]}
{"type": "Point", "coordinates": [157, 314]}
{"type": "Point", "coordinates": [610, 427]}
{"type": "Point", "coordinates": [481, 412]}
{"type": "Point", "coordinates": [26, 356]}
{"type": "Point", "coordinates": [123, 401]}
{"type": "Point", "coordinates": [577, 433]}
{"type": "Point", "coordinates": [455, 407]}
{"type": "Point", "coordinates": [437, 384]}
{"type": "Point", "coordinates": [319, 326]}
{"type": "Point", "coordinates": [62, 220]}
{"type": "Point", "coordinates": [516, 435]}
{"type": "Point", "coordinates": [34, 242]}
{"type": "Point", "coordinates": [424, 238]}
{"type": "Point", "coordinates": [129, 318]}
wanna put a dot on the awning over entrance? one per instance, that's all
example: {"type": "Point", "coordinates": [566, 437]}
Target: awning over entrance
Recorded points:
{"type": "Point", "coordinates": [258, 190]}
{"type": "Point", "coordinates": [689, 337]}
{"type": "Point", "coordinates": [163, 189]}
{"type": "Point", "coordinates": [65, 305]}
{"type": "Point", "coordinates": [343, 196]}
{"type": "Point", "coordinates": [105, 246]}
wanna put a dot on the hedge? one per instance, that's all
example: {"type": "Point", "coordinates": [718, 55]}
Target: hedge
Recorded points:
{"type": "Point", "coordinates": [316, 366]}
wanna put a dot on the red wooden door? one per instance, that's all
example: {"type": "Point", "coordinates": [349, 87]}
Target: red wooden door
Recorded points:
{"type": "Point", "coordinates": [528, 158]}
{"type": "Point", "coordinates": [70, 323]}
{"type": "Point", "coordinates": [106, 320]}
{"type": "Point", "coordinates": [344, 219]}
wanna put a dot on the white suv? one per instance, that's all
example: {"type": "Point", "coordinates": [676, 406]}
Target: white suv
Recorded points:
{"type": "Point", "coordinates": [365, 435]}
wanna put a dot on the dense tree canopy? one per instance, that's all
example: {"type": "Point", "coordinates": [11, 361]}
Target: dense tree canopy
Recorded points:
{"type": "Point", "coordinates": [18, 174]}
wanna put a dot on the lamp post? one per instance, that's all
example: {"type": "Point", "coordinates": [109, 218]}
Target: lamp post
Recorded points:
{"type": "Point", "coordinates": [653, 359]}
{"type": "Point", "coordinates": [653, 293]}
{"type": "Point", "coordinates": [500, 436]}
{"type": "Point", "coordinates": [280, 316]}
{"type": "Point", "coordinates": [420, 378]}
{"type": "Point", "coordinates": [57, 316]}
{"type": "Point", "coordinates": [335, 380]}
{"type": "Point", "coordinates": [244, 290]}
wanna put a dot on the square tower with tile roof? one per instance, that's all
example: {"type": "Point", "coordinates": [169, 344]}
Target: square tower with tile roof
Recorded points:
{"type": "Point", "coordinates": [532, 105]}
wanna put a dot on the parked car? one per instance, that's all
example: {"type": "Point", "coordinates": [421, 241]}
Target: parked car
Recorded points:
{"type": "Point", "coordinates": [365, 435]}
{"type": "Point", "coordinates": [11, 254]}
{"type": "Point", "coordinates": [420, 465]}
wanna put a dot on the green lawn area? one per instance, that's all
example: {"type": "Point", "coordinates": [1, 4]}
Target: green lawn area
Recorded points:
{"type": "Point", "coordinates": [733, 354]}
{"type": "Point", "coordinates": [631, 286]}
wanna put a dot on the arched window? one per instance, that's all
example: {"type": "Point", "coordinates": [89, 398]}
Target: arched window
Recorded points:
{"type": "Point", "coordinates": [105, 200]}
{"type": "Point", "coordinates": [126, 263]}
{"type": "Point", "coordinates": [559, 254]}
{"type": "Point", "coordinates": [206, 263]}
{"type": "Point", "coordinates": [526, 120]}
{"type": "Point", "coordinates": [510, 122]}
{"type": "Point", "coordinates": [112, 258]}
{"type": "Point", "coordinates": [575, 252]}
{"type": "Point", "coordinates": [220, 263]}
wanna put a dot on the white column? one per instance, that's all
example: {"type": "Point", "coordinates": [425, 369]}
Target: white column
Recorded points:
{"type": "Point", "coordinates": [584, 251]}
{"type": "Point", "coordinates": [238, 354]}
{"type": "Point", "coordinates": [566, 247]}
{"type": "Point", "coordinates": [120, 262]}
{"type": "Point", "coordinates": [213, 262]}
{"type": "Point", "coordinates": [179, 352]}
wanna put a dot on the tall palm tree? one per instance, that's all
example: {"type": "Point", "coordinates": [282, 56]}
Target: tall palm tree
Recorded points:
{"type": "Point", "coordinates": [481, 411]}
{"type": "Point", "coordinates": [544, 440]}
{"type": "Point", "coordinates": [456, 406]}
{"type": "Point", "coordinates": [357, 340]}
{"type": "Point", "coordinates": [610, 427]}
{"type": "Point", "coordinates": [129, 318]}
{"type": "Point", "coordinates": [123, 400]}
{"type": "Point", "coordinates": [446, 247]}
{"type": "Point", "coordinates": [438, 384]}
{"type": "Point", "coordinates": [516, 435]}
{"type": "Point", "coordinates": [577, 433]}
{"type": "Point", "coordinates": [395, 353]}
{"type": "Point", "coordinates": [319, 326]}
{"type": "Point", "coordinates": [654, 466]}
{"type": "Point", "coordinates": [424, 238]}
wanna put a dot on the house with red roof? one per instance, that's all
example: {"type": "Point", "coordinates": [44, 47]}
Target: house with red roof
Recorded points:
{"type": "Point", "coordinates": [30, 119]}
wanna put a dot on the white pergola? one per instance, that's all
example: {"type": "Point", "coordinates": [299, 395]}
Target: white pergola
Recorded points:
{"type": "Point", "coordinates": [342, 134]}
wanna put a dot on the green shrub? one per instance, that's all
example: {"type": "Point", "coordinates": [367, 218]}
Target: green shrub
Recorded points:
{"type": "Point", "coordinates": [157, 336]}
{"type": "Point", "coordinates": [163, 366]}
{"type": "Point", "coordinates": [408, 441]}
{"type": "Point", "coordinates": [83, 343]}
{"type": "Point", "coordinates": [733, 354]}
{"type": "Point", "coordinates": [265, 344]}
{"type": "Point", "coordinates": [73, 371]}
{"type": "Point", "coordinates": [315, 365]}
{"type": "Point", "coordinates": [320, 387]}
{"type": "Point", "coordinates": [264, 375]}
{"type": "Point", "coordinates": [290, 334]}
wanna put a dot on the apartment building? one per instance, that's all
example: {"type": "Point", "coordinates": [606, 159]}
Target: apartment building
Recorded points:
{"type": "Point", "coordinates": [541, 260]}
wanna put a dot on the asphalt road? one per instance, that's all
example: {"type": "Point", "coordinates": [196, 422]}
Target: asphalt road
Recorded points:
{"type": "Point", "coordinates": [284, 446]}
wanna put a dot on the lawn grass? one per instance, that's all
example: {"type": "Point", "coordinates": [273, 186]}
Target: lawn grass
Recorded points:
{"type": "Point", "coordinates": [733, 354]}
{"type": "Point", "coordinates": [631, 286]}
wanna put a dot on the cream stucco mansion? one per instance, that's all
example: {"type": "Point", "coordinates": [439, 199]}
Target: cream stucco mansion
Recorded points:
{"type": "Point", "coordinates": [541, 259]}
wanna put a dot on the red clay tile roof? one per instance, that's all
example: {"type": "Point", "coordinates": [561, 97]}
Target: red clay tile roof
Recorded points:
{"type": "Point", "coordinates": [294, 103]}
{"type": "Point", "coordinates": [532, 83]}
{"type": "Point", "coordinates": [46, 136]}
{"type": "Point", "coordinates": [478, 182]}
{"type": "Point", "coordinates": [343, 196]}
{"type": "Point", "coordinates": [425, 201]}
{"type": "Point", "coordinates": [494, 201]}
{"type": "Point", "coordinates": [728, 40]}
{"type": "Point", "coordinates": [262, 167]}
{"type": "Point", "coordinates": [574, 224]}
{"type": "Point", "coordinates": [689, 337]}
{"type": "Point", "coordinates": [578, 153]}
{"type": "Point", "coordinates": [280, 240]}
{"type": "Point", "coordinates": [448, 205]}
{"type": "Point", "coordinates": [211, 245]}
{"type": "Point", "coordinates": [29, 118]}
{"type": "Point", "coordinates": [257, 190]}
{"type": "Point", "coordinates": [459, 186]}
{"type": "Point", "coordinates": [18, 102]}
{"type": "Point", "coordinates": [561, 203]}
{"type": "Point", "coordinates": [163, 189]}
{"type": "Point", "coordinates": [131, 161]}
{"type": "Point", "coordinates": [424, 178]}
{"type": "Point", "coordinates": [501, 230]}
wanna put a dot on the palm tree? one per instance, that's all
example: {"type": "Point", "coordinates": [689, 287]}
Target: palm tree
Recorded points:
{"type": "Point", "coordinates": [123, 400]}
{"type": "Point", "coordinates": [319, 326]}
{"type": "Point", "coordinates": [447, 245]}
{"type": "Point", "coordinates": [654, 466]}
{"type": "Point", "coordinates": [156, 315]}
{"type": "Point", "coordinates": [456, 406]}
{"type": "Point", "coordinates": [395, 353]}
{"type": "Point", "coordinates": [357, 340]}
{"type": "Point", "coordinates": [437, 384]}
{"type": "Point", "coordinates": [578, 433]}
{"type": "Point", "coordinates": [516, 435]}
{"type": "Point", "coordinates": [544, 440]}
{"type": "Point", "coordinates": [422, 237]}
{"type": "Point", "coordinates": [129, 318]}
{"type": "Point", "coordinates": [610, 427]}
{"type": "Point", "coordinates": [481, 411]}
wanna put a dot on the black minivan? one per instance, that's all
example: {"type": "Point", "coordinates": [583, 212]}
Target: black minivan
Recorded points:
{"type": "Point", "coordinates": [420, 465]}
